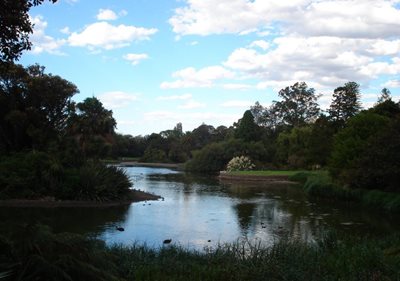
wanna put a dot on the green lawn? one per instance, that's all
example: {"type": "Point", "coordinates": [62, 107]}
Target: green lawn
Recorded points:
{"type": "Point", "coordinates": [264, 173]}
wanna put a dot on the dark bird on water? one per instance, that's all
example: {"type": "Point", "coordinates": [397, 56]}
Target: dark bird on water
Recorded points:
{"type": "Point", "coordinates": [119, 228]}
{"type": "Point", "coordinates": [167, 241]}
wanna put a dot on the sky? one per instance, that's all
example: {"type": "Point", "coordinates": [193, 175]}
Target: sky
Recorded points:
{"type": "Point", "coordinates": [158, 63]}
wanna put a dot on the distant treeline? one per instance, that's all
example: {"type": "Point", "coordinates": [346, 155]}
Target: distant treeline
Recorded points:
{"type": "Point", "coordinates": [360, 148]}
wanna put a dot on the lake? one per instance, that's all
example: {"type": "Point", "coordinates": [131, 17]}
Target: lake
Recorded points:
{"type": "Point", "coordinates": [200, 211]}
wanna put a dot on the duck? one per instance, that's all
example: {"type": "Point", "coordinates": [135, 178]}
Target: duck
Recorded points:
{"type": "Point", "coordinates": [167, 241]}
{"type": "Point", "coordinates": [119, 228]}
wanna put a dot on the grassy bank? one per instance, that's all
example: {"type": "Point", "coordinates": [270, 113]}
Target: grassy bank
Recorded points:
{"type": "Point", "coordinates": [38, 254]}
{"type": "Point", "coordinates": [263, 173]}
{"type": "Point", "coordinates": [321, 184]}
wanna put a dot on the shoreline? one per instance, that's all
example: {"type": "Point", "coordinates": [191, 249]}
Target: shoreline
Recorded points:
{"type": "Point", "coordinates": [255, 178]}
{"type": "Point", "coordinates": [49, 202]}
{"type": "Point", "coordinates": [153, 165]}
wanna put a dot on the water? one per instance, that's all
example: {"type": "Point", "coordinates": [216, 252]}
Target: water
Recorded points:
{"type": "Point", "coordinates": [202, 211]}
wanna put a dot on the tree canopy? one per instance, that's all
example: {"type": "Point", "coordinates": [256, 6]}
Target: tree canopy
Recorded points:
{"type": "Point", "coordinates": [15, 27]}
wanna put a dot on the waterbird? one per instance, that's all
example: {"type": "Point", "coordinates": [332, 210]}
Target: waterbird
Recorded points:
{"type": "Point", "coordinates": [167, 241]}
{"type": "Point", "coordinates": [119, 228]}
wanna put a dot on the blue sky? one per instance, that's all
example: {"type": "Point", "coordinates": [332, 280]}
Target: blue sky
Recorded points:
{"type": "Point", "coordinates": [157, 63]}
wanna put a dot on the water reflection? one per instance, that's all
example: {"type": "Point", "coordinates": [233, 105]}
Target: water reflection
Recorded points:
{"type": "Point", "coordinates": [198, 209]}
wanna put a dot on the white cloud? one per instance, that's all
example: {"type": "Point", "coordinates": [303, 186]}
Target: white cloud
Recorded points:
{"type": "Point", "coordinates": [192, 78]}
{"type": "Point", "coordinates": [237, 86]}
{"type": "Point", "coordinates": [106, 14]}
{"type": "Point", "coordinates": [342, 18]}
{"type": "Point", "coordinates": [237, 103]}
{"type": "Point", "coordinates": [191, 104]}
{"type": "Point", "coordinates": [41, 42]}
{"type": "Point", "coordinates": [117, 99]}
{"type": "Point", "coordinates": [204, 17]}
{"type": "Point", "coordinates": [135, 59]}
{"type": "Point", "coordinates": [326, 61]}
{"type": "Point", "coordinates": [392, 84]}
{"type": "Point", "coordinates": [107, 36]}
{"type": "Point", "coordinates": [176, 97]}
{"type": "Point", "coordinates": [65, 30]}
{"type": "Point", "coordinates": [264, 45]}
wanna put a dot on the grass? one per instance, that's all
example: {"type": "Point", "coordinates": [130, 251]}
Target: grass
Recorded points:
{"type": "Point", "coordinates": [263, 173]}
{"type": "Point", "coordinates": [37, 254]}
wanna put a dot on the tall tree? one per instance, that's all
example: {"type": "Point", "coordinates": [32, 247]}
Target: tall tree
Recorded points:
{"type": "Point", "coordinates": [298, 105]}
{"type": "Point", "coordinates": [345, 103]}
{"type": "Point", "coordinates": [93, 127]}
{"type": "Point", "coordinates": [385, 95]}
{"type": "Point", "coordinates": [34, 106]}
{"type": "Point", "coordinates": [247, 129]}
{"type": "Point", "coordinates": [15, 27]}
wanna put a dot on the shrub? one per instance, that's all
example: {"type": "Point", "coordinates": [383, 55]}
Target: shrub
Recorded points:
{"type": "Point", "coordinates": [240, 163]}
{"type": "Point", "coordinates": [96, 182]}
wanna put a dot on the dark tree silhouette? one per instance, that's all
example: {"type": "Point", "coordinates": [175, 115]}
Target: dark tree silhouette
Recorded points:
{"type": "Point", "coordinates": [15, 27]}
{"type": "Point", "coordinates": [345, 103]}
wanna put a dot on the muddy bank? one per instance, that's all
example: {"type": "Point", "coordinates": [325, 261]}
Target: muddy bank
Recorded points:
{"type": "Point", "coordinates": [50, 202]}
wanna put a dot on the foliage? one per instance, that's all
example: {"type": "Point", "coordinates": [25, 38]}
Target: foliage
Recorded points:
{"type": "Point", "coordinates": [214, 157]}
{"type": "Point", "coordinates": [93, 128]}
{"type": "Point", "coordinates": [240, 163]}
{"type": "Point", "coordinates": [293, 147]}
{"type": "Point", "coordinates": [15, 27]}
{"type": "Point", "coordinates": [298, 105]}
{"type": "Point", "coordinates": [154, 155]}
{"type": "Point", "coordinates": [351, 143]}
{"type": "Point", "coordinates": [95, 181]}
{"type": "Point", "coordinates": [320, 184]}
{"type": "Point", "coordinates": [34, 107]}
{"type": "Point", "coordinates": [247, 129]}
{"type": "Point", "coordinates": [36, 175]}
{"type": "Point", "coordinates": [35, 253]}
{"type": "Point", "coordinates": [345, 103]}
{"type": "Point", "coordinates": [378, 167]}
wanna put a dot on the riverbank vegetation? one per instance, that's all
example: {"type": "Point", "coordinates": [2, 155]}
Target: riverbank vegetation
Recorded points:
{"type": "Point", "coordinates": [50, 146]}
{"type": "Point", "coordinates": [33, 252]}
{"type": "Point", "coordinates": [321, 184]}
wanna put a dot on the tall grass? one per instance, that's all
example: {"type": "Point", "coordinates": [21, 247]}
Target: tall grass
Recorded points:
{"type": "Point", "coordinates": [34, 253]}
{"type": "Point", "coordinates": [320, 184]}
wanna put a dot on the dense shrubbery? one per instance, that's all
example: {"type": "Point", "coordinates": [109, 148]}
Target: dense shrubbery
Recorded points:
{"type": "Point", "coordinates": [214, 157]}
{"type": "Point", "coordinates": [37, 174]}
{"type": "Point", "coordinates": [34, 253]}
{"type": "Point", "coordinates": [321, 184]}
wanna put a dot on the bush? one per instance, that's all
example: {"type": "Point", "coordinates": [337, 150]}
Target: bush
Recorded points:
{"type": "Point", "coordinates": [95, 181]}
{"type": "Point", "coordinates": [240, 163]}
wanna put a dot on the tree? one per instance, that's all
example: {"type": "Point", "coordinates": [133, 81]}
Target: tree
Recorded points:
{"type": "Point", "coordinates": [267, 117]}
{"type": "Point", "coordinates": [379, 164]}
{"type": "Point", "coordinates": [293, 147]}
{"type": "Point", "coordinates": [385, 95]}
{"type": "Point", "coordinates": [93, 127]}
{"type": "Point", "coordinates": [34, 107]}
{"type": "Point", "coordinates": [298, 106]}
{"type": "Point", "coordinates": [345, 103]}
{"type": "Point", "coordinates": [351, 143]}
{"type": "Point", "coordinates": [247, 129]}
{"type": "Point", "coordinates": [15, 27]}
